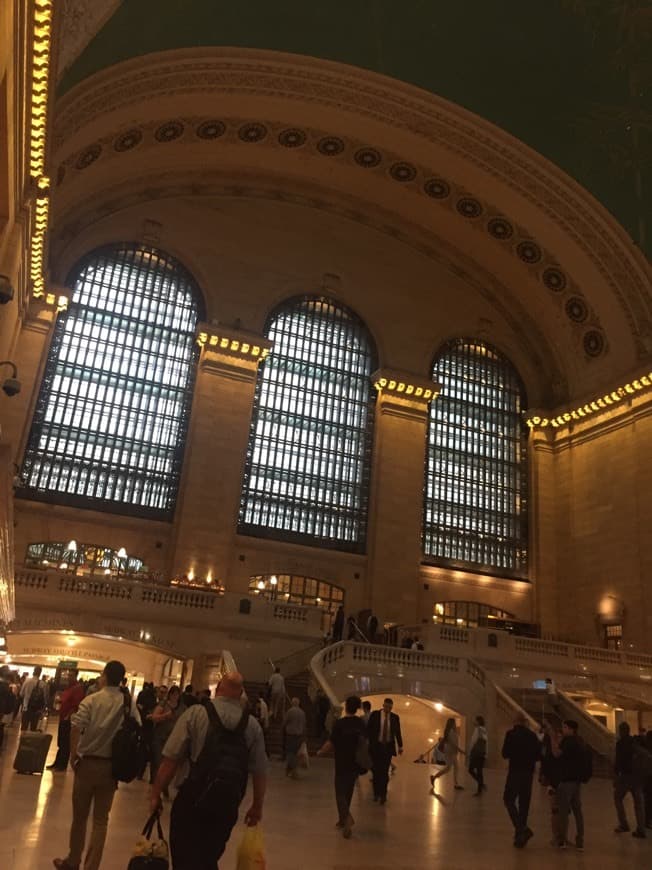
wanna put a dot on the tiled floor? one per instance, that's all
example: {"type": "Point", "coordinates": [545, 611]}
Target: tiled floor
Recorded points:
{"type": "Point", "coordinates": [414, 830]}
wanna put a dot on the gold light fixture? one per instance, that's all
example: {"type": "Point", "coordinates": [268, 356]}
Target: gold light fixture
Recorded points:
{"type": "Point", "coordinates": [247, 346]}
{"type": "Point", "coordinates": [595, 406]}
{"type": "Point", "coordinates": [40, 80]}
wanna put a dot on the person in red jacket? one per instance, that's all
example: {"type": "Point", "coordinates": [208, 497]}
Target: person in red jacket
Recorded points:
{"type": "Point", "coordinates": [70, 701]}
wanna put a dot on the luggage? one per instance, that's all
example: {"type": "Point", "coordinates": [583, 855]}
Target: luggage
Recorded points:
{"type": "Point", "coordinates": [32, 753]}
{"type": "Point", "coordinates": [150, 854]}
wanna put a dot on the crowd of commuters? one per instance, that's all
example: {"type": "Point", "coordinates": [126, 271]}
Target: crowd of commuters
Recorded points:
{"type": "Point", "coordinates": [208, 747]}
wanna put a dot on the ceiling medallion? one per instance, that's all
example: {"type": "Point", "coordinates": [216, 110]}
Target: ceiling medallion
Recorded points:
{"type": "Point", "coordinates": [469, 207]}
{"type": "Point", "coordinates": [554, 279]}
{"type": "Point", "coordinates": [437, 188]}
{"type": "Point", "coordinates": [529, 252]}
{"type": "Point", "coordinates": [89, 156]}
{"type": "Point", "coordinates": [292, 138]}
{"type": "Point", "coordinates": [403, 172]}
{"type": "Point", "coordinates": [252, 132]}
{"type": "Point", "coordinates": [169, 132]}
{"type": "Point", "coordinates": [211, 130]}
{"type": "Point", "coordinates": [128, 140]}
{"type": "Point", "coordinates": [500, 228]}
{"type": "Point", "coordinates": [576, 309]}
{"type": "Point", "coordinates": [330, 146]}
{"type": "Point", "coordinates": [367, 157]}
{"type": "Point", "coordinates": [593, 343]}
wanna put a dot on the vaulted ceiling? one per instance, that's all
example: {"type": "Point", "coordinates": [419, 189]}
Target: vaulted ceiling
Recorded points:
{"type": "Point", "coordinates": [540, 70]}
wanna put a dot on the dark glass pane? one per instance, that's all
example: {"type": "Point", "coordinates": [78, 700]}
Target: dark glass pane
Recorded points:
{"type": "Point", "coordinates": [475, 512]}
{"type": "Point", "coordinates": [112, 413]}
{"type": "Point", "coordinates": [308, 461]}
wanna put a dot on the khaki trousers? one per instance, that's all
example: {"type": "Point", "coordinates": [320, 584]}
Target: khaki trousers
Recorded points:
{"type": "Point", "coordinates": [94, 784]}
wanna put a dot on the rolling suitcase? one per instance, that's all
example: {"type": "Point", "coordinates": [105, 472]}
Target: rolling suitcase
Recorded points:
{"type": "Point", "coordinates": [32, 752]}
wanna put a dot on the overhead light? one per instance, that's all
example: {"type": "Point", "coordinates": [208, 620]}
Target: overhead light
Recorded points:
{"type": "Point", "coordinates": [439, 707]}
{"type": "Point", "coordinates": [63, 566]}
{"type": "Point", "coordinates": [122, 553]}
{"type": "Point", "coordinates": [261, 584]}
{"type": "Point", "coordinates": [71, 546]}
{"type": "Point", "coordinates": [107, 571]}
{"type": "Point", "coordinates": [273, 580]}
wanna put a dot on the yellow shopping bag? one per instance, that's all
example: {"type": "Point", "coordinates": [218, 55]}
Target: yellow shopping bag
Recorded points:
{"type": "Point", "coordinates": [251, 851]}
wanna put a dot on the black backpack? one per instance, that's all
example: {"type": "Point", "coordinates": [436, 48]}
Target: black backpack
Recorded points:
{"type": "Point", "coordinates": [37, 698]}
{"type": "Point", "coordinates": [127, 747]}
{"type": "Point", "coordinates": [219, 776]}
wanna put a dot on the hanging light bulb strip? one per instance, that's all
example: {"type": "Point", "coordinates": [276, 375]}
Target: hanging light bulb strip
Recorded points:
{"type": "Point", "coordinates": [595, 406]}
{"type": "Point", "coordinates": [41, 50]}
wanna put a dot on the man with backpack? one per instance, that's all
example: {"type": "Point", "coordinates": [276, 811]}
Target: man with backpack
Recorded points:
{"type": "Point", "coordinates": [575, 768]}
{"type": "Point", "coordinates": [213, 748]}
{"type": "Point", "coordinates": [95, 757]}
{"type": "Point", "coordinates": [34, 700]}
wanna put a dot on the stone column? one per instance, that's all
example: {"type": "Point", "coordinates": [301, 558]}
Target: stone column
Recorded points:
{"type": "Point", "coordinates": [396, 507]}
{"type": "Point", "coordinates": [545, 507]}
{"type": "Point", "coordinates": [209, 495]}
{"type": "Point", "coordinates": [30, 353]}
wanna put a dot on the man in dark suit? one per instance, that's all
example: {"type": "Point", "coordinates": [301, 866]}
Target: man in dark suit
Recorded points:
{"type": "Point", "coordinates": [384, 733]}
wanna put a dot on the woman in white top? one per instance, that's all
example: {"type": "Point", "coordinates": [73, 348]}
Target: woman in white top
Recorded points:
{"type": "Point", "coordinates": [450, 749]}
{"type": "Point", "coordinates": [478, 753]}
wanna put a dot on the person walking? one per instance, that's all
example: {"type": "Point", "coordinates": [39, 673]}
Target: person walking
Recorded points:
{"type": "Point", "coordinates": [522, 749]}
{"type": "Point", "coordinates": [549, 776]}
{"type": "Point", "coordinates": [366, 713]}
{"type": "Point", "coordinates": [70, 701]}
{"type": "Point", "coordinates": [347, 735]}
{"type": "Point", "coordinates": [34, 700]}
{"type": "Point", "coordinates": [6, 700]}
{"type": "Point", "coordinates": [294, 730]}
{"type": "Point", "coordinates": [572, 754]}
{"type": "Point", "coordinates": [164, 717]}
{"type": "Point", "coordinates": [450, 748]}
{"type": "Point", "coordinates": [372, 628]}
{"type": "Point", "coordinates": [212, 749]}
{"type": "Point", "coordinates": [276, 693]}
{"type": "Point", "coordinates": [478, 753]}
{"type": "Point", "coordinates": [338, 624]}
{"type": "Point", "coordinates": [94, 726]}
{"type": "Point", "coordinates": [384, 733]}
{"type": "Point", "coordinates": [627, 778]}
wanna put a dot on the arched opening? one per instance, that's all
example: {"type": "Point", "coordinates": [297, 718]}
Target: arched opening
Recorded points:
{"type": "Point", "coordinates": [298, 589]}
{"type": "Point", "coordinates": [468, 614]}
{"type": "Point", "coordinates": [112, 413]}
{"type": "Point", "coordinates": [309, 457]}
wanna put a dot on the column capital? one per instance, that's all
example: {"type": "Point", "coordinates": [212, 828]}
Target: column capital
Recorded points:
{"type": "Point", "coordinates": [231, 351]}
{"type": "Point", "coordinates": [404, 393]}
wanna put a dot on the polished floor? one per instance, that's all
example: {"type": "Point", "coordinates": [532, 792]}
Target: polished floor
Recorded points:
{"type": "Point", "coordinates": [414, 830]}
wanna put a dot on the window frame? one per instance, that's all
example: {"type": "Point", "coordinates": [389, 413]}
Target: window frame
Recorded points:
{"type": "Point", "coordinates": [520, 542]}
{"type": "Point", "coordinates": [117, 255]}
{"type": "Point", "coordinates": [258, 530]}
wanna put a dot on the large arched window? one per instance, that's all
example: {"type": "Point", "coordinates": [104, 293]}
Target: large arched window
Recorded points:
{"type": "Point", "coordinates": [476, 469]}
{"type": "Point", "coordinates": [112, 413]}
{"type": "Point", "coordinates": [308, 461]}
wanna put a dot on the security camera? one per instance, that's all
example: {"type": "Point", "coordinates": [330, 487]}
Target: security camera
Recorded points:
{"type": "Point", "coordinates": [6, 290]}
{"type": "Point", "coordinates": [11, 387]}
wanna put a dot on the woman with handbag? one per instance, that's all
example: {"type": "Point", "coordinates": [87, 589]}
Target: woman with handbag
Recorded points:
{"type": "Point", "coordinates": [450, 749]}
{"type": "Point", "coordinates": [348, 741]}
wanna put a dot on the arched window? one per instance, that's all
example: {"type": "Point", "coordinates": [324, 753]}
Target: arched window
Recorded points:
{"type": "Point", "coordinates": [112, 414]}
{"type": "Point", "coordinates": [468, 614]}
{"type": "Point", "coordinates": [308, 461]}
{"type": "Point", "coordinates": [476, 469]}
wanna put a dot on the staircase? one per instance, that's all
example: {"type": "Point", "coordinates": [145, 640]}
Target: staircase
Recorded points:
{"type": "Point", "coordinates": [296, 686]}
{"type": "Point", "coordinates": [539, 704]}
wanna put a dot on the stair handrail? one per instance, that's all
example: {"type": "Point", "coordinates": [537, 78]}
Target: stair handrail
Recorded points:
{"type": "Point", "coordinates": [360, 631]}
{"type": "Point", "coordinates": [605, 739]}
{"type": "Point", "coordinates": [516, 707]}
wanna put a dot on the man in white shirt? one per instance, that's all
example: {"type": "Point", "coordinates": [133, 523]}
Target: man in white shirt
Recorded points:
{"type": "Point", "coordinates": [94, 726]}
{"type": "Point", "coordinates": [277, 693]}
{"type": "Point", "coordinates": [34, 700]}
